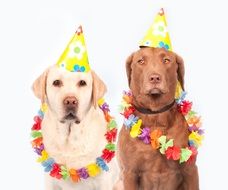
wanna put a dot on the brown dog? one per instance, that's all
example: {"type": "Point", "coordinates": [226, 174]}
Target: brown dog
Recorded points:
{"type": "Point", "coordinates": [152, 75]}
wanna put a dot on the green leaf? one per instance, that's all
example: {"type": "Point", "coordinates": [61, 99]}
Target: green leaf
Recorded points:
{"type": "Point", "coordinates": [112, 124]}
{"type": "Point", "coordinates": [64, 172]}
{"type": "Point", "coordinates": [185, 155]}
{"type": "Point", "coordinates": [36, 134]}
{"type": "Point", "coordinates": [164, 145]}
{"type": "Point", "coordinates": [191, 114]}
{"type": "Point", "coordinates": [111, 146]}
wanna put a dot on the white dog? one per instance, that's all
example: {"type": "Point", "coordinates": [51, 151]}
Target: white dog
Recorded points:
{"type": "Point", "coordinates": [73, 127]}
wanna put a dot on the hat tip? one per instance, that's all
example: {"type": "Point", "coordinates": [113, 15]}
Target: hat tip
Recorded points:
{"type": "Point", "coordinates": [79, 30]}
{"type": "Point", "coordinates": [161, 12]}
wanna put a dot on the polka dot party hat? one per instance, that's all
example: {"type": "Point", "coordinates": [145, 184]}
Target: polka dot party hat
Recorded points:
{"type": "Point", "coordinates": [75, 58]}
{"type": "Point", "coordinates": [157, 35]}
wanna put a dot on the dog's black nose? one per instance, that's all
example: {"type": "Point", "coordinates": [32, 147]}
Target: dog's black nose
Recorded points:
{"type": "Point", "coordinates": [155, 78]}
{"type": "Point", "coordinates": [70, 101]}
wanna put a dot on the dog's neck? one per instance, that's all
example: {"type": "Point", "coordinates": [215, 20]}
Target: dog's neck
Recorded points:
{"type": "Point", "coordinates": [163, 119]}
{"type": "Point", "coordinates": [154, 103]}
{"type": "Point", "coordinates": [64, 129]}
{"type": "Point", "coordinates": [161, 110]}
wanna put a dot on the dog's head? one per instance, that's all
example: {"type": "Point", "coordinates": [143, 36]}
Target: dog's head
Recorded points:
{"type": "Point", "coordinates": [153, 74]}
{"type": "Point", "coordinates": [69, 95]}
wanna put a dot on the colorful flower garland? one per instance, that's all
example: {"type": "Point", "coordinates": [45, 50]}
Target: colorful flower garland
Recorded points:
{"type": "Point", "coordinates": [60, 171]}
{"type": "Point", "coordinates": [155, 137]}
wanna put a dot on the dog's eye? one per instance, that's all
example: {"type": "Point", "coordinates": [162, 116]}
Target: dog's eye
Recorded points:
{"type": "Point", "coordinates": [166, 60]}
{"type": "Point", "coordinates": [82, 83]}
{"type": "Point", "coordinates": [57, 83]}
{"type": "Point", "coordinates": [141, 61]}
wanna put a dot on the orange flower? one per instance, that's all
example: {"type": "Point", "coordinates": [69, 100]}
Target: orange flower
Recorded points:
{"type": "Point", "coordinates": [194, 120]}
{"type": "Point", "coordinates": [154, 136]}
{"type": "Point", "coordinates": [74, 175]}
{"type": "Point", "coordinates": [37, 142]}
{"type": "Point", "coordinates": [107, 116]}
{"type": "Point", "coordinates": [127, 99]}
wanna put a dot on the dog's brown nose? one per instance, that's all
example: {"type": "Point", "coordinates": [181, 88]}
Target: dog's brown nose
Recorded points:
{"type": "Point", "coordinates": [155, 78]}
{"type": "Point", "coordinates": [70, 101]}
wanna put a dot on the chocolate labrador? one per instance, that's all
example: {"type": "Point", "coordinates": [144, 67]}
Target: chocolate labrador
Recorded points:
{"type": "Point", "coordinates": [153, 74]}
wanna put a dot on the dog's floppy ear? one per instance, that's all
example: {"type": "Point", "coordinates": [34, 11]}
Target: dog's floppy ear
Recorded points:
{"type": "Point", "coordinates": [180, 70]}
{"type": "Point", "coordinates": [39, 86]}
{"type": "Point", "coordinates": [99, 88]}
{"type": "Point", "coordinates": [128, 68]}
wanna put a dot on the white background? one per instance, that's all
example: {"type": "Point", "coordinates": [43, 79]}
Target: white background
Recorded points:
{"type": "Point", "coordinates": [33, 34]}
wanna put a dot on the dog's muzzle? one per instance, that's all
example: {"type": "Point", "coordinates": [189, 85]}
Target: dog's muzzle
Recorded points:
{"type": "Point", "coordinates": [70, 104]}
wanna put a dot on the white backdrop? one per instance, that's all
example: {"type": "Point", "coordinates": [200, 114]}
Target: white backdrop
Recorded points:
{"type": "Point", "coordinates": [33, 34]}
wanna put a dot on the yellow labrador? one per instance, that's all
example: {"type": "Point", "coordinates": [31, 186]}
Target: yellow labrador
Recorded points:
{"type": "Point", "coordinates": [73, 129]}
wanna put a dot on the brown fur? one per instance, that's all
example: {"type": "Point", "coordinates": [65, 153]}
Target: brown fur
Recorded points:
{"type": "Point", "coordinates": [143, 168]}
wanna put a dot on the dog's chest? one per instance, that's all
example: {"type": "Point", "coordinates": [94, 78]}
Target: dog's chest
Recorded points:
{"type": "Point", "coordinates": [150, 165]}
{"type": "Point", "coordinates": [86, 139]}
{"type": "Point", "coordinates": [145, 157]}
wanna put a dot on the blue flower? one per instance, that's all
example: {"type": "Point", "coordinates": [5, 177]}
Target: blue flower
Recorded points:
{"type": "Point", "coordinates": [192, 143]}
{"type": "Point", "coordinates": [63, 64]}
{"type": "Point", "coordinates": [182, 97]}
{"type": "Point", "coordinates": [132, 119]}
{"type": "Point", "coordinates": [41, 114]}
{"type": "Point", "coordinates": [101, 163]}
{"type": "Point", "coordinates": [163, 45]}
{"type": "Point", "coordinates": [77, 68]}
{"type": "Point", "coordinates": [148, 43]}
{"type": "Point", "coordinates": [82, 69]}
{"type": "Point", "coordinates": [48, 164]}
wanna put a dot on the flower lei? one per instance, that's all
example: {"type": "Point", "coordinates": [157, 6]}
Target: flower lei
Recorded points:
{"type": "Point", "coordinates": [155, 137]}
{"type": "Point", "coordinates": [60, 171]}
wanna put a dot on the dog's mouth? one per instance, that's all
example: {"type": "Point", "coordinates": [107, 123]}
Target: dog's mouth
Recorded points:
{"type": "Point", "coordinates": [70, 116]}
{"type": "Point", "coordinates": [155, 93]}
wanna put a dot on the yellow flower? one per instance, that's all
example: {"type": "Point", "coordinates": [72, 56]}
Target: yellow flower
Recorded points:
{"type": "Point", "coordinates": [125, 104]}
{"type": "Point", "coordinates": [178, 90]}
{"type": "Point", "coordinates": [136, 129]}
{"type": "Point", "coordinates": [44, 107]}
{"type": "Point", "coordinates": [93, 170]}
{"type": "Point", "coordinates": [101, 101]}
{"type": "Point", "coordinates": [195, 137]}
{"type": "Point", "coordinates": [44, 156]}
